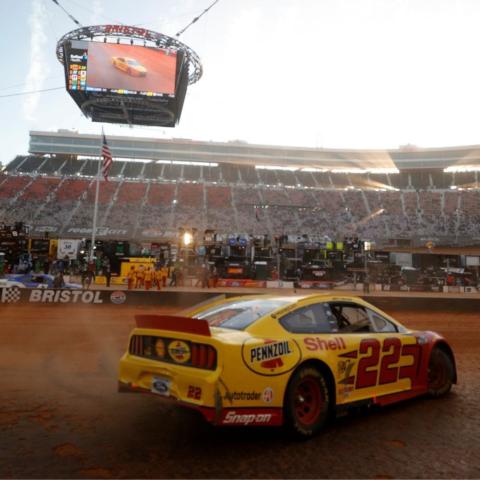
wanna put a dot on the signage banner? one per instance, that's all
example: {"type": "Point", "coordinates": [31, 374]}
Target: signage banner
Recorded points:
{"type": "Point", "coordinates": [53, 296]}
{"type": "Point", "coordinates": [67, 248]}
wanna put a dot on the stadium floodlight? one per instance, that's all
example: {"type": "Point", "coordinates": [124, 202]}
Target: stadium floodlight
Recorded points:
{"type": "Point", "coordinates": [462, 169]}
{"type": "Point", "coordinates": [187, 239]}
{"type": "Point", "coordinates": [348, 170]}
{"type": "Point", "coordinates": [188, 163]}
{"type": "Point", "coordinates": [119, 82]}
{"type": "Point", "coordinates": [375, 170]}
{"type": "Point", "coordinates": [276, 167]}
{"type": "Point", "coordinates": [314, 170]}
{"type": "Point", "coordinates": [381, 170]}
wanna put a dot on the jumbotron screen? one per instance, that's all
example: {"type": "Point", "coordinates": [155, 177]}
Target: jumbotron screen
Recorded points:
{"type": "Point", "coordinates": [123, 69]}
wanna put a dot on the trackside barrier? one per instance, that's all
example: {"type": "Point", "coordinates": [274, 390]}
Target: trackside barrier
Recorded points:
{"type": "Point", "coordinates": [431, 304]}
{"type": "Point", "coordinates": [50, 296]}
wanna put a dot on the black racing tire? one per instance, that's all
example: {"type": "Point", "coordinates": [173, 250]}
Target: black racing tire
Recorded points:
{"type": "Point", "coordinates": [441, 373]}
{"type": "Point", "coordinates": [307, 402]}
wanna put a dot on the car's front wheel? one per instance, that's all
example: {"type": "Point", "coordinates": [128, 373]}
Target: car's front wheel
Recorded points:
{"type": "Point", "coordinates": [441, 373]}
{"type": "Point", "coordinates": [307, 402]}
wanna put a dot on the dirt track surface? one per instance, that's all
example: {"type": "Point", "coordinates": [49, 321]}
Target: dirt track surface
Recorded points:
{"type": "Point", "coordinates": [61, 415]}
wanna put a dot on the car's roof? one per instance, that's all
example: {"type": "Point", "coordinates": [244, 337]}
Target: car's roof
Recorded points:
{"type": "Point", "coordinates": [285, 299]}
{"type": "Point", "coordinates": [320, 297]}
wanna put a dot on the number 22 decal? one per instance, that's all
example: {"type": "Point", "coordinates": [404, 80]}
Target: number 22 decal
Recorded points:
{"type": "Point", "coordinates": [368, 371]}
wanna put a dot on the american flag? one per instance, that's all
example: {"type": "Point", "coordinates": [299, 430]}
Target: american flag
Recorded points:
{"type": "Point", "coordinates": [107, 158]}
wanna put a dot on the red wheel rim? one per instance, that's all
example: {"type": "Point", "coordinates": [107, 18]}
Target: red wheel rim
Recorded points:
{"type": "Point", "coordinates": [437, 373]}
{"type": "Point", "coordinates": [308, 400]}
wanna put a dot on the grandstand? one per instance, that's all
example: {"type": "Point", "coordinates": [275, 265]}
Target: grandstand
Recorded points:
{"type": "Point", "coordinates": [157, 186]}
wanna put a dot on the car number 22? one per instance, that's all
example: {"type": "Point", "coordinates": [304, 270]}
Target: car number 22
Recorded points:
{"type": "Point", "coordinates": [370, 373]}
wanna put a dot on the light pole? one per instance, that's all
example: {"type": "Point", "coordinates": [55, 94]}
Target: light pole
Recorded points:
{"type": "Point", "coordinates": [367, 246]}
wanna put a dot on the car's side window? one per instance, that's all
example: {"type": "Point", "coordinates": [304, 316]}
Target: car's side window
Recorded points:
{"type": "Point", "coordinates": [381, 324]}
{"type": "Point", "coordinates": [351, 318]}
{"type": "Point", "coordinates": [310, 319]}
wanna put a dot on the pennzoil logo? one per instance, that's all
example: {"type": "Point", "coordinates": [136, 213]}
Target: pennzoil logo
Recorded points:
{"type": "Point", "coordinates": [271, 357]}
{"type": "Point", "coordinates": [179, 351]}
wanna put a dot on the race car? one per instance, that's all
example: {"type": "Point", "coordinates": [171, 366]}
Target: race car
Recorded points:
{"type": "Point", "coordinates": [130, 66]}
{"type": "Point", "coordinates": [283, 360]}
{"type": "Point", "coordinates": [36, 280]}
{"type": "Point", "coordinates": [4, 283]}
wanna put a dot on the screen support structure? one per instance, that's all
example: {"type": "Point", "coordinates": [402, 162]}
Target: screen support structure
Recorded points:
{"type": "Point", "coordinates": [125, 112]}
{"type": "Point", "coordinates": [108, 105]}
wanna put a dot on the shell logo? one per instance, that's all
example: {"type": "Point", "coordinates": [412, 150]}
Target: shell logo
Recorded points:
{"type": "Point", "coordinates": [179, 351]}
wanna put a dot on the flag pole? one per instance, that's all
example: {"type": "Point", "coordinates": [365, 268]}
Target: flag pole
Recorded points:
{"type": "Point", "coordinates": [95, 207]}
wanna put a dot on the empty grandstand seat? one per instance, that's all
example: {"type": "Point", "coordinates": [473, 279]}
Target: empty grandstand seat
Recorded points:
{"type": "Point", "coordinates": [172, 171]}
{"type": "Point", "coordinates": [192, 172]}
{"type": "Point", "coordinates": [13, 185]}
{"type": "Point", "coordinates": [133, 170]}
{"type": "Point", "coordinates": [420, 180]}
{"type": "Point", "coordinates": [305, 179]}
{"type": "Point", "coordinates": [131, 193]}
{"type": "Point", "coordinates": [190, 195]}
{"type": "Point", "coordinates": [40, 188]}
{"type": "Point", "coordinates": [229, 173]}
{"type": "Point", "coordinates": [31, 164]}
{"type": "Point", "coordinates": [71, 189]}
{"type": "Point", "coordinates": [51, 165]}
{"type": "Point", "coordinates": [161, 194]}
{"type": "Point", "coordinates": [218, 197]}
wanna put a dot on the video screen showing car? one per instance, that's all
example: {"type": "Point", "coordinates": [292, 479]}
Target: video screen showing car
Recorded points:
{"type": "Point", "coordinates": [128, 69]}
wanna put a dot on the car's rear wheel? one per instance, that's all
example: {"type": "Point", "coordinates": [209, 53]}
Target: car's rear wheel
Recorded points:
{"type": "Point", "coordinates": [307, 402]}
{"type": "Point", "coordinates": [441, 373]}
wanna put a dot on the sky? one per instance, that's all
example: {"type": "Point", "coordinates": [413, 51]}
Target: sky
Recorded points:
{"type": "Point", "coordinates": [312, 73]}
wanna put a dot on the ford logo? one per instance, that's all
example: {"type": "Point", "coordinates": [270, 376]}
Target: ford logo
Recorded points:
{"type": "Point", "coordinates": [160, 386]}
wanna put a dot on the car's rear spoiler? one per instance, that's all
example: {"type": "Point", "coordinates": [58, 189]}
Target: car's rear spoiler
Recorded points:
{"type": "Point", "coordinates": [174, 324]}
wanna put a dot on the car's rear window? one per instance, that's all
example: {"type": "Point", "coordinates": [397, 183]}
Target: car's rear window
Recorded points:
{"type": "Point", "coordinates": [240, 314]}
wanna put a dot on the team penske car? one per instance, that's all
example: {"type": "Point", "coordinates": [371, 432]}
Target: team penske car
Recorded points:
{"type": "Point", "coordinates": [291, 360]}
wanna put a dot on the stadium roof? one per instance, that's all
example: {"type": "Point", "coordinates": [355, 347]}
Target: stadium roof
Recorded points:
{"type": "Point", "coordinates": [237, 152]}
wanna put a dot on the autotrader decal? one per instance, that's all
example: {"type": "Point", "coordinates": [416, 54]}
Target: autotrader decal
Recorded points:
{"type": "Point", "coordinates": [231, 396]}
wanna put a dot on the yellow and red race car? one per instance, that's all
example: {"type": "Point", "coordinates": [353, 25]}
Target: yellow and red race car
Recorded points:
{"type": "Point", "coordinates": [292, 360]}
{"type": "Point", "coordinates": [130, 66]}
